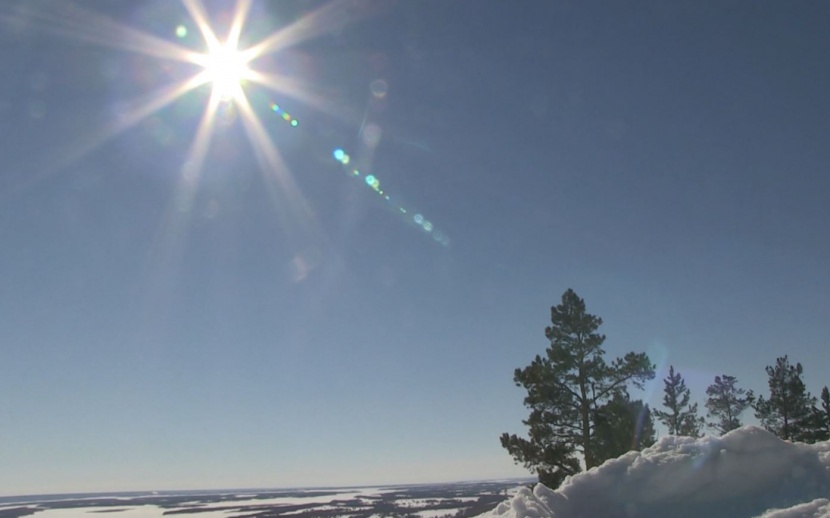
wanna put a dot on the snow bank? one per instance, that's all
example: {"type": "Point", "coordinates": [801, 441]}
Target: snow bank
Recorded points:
{"type": "Point", "coordinates": [744, 474]}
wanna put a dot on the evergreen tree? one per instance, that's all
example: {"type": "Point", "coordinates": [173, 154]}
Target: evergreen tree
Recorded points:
{"type": "Point", "coordinates": [565, 388]}
{"type": "Point", "coordinates": [622, 425]}
{"type": "Point", "coordinates": [681, 418]}
{"type": "Point", "coordinates": [823, 417]}
{"type": "Point", "coordinates": [788, 412]}
{"type": "Point", "coordinates": [726, 403]}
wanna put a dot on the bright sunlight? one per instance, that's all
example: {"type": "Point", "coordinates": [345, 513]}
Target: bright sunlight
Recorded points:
{"type": "Point", "coordinates": [226, 69]}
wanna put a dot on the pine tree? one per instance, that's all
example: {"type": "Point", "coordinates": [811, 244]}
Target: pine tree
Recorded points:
{"type": "Point", "coordinates": [788, 413]}
{"type": "Point", "coordinates": [622, 425]}
{"type": "Point", "coordinates": [681, 418]}
{"type": "Point", "coordinates": [823, 417]}
{"type": "Point", "coordinates": [565, 388]}
{"type": "Point", "coordinates": [726, 403]}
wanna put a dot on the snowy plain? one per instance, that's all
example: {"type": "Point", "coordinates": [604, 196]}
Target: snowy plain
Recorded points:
{"type": "Point", "coordinates": [747, 473]}
{"type": "Point", "coordinates": [415, 501]}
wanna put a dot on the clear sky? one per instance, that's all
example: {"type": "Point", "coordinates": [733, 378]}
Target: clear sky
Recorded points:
{"type": "Point", "coordinates": [260, 315]}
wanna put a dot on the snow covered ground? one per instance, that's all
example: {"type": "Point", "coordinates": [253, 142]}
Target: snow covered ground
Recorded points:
{"type": "Point", "coordinates": [417, 501]}
{"type": "Point", "coordinates": [745, 474]}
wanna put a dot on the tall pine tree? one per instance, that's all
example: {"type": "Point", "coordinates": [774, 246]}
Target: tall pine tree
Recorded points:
{"type": "Point", "coordinates": [726, 403]}
{"type": "Point", "coordinates": [680, 418]}
{"type": "Point", "coordinates": [565, 388]}
{"type": "Point", "coordinates": [788, 412]}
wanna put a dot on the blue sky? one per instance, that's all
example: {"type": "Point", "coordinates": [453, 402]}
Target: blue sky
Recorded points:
{"type": "Point", "coordinates": [667, 162]}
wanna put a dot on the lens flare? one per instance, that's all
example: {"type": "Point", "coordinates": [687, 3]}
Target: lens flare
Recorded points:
{"type": "Point", "coordinates": [342, 157]}
{"type": "Point", "coordinates": [373, 183]}
{"type": "Point", "coordinates": [287, 117]}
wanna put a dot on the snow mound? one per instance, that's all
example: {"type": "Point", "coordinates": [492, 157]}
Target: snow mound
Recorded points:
{"type": "Point", "coordinates": [747, 473]}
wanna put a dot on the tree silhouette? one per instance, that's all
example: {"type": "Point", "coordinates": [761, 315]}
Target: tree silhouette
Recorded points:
{"type": "Point", "coordinates": [788, 412]}
{"type": "Point", "coordinates": [822, 431]}
{"type": "Point", "coordinates": [681, 418]}
{"type": "Point", "coordinates": [565, 389]}
{"type": "Point", "coordinates": [726, 403]}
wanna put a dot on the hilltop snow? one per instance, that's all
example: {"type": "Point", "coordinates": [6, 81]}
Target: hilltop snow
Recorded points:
{"type": "Point", "coordinates": [747, 473]}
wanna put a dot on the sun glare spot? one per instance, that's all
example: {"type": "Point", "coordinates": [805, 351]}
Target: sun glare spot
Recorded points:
{"type": "Point", "coordinates": [226, 70]}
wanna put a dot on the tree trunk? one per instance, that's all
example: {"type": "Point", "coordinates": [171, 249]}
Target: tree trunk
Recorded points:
{"type": "Point", "coordinates": [585, 410]}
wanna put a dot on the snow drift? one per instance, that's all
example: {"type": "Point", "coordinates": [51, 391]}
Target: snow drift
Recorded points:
{"type": "Point", "coordinates": [747, 473]}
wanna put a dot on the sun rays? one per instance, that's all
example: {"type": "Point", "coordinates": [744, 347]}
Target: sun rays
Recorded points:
{"type": "Point", "coordinates": [225, 66]}
{"type": "Point", "coordinates": [197, 51]}
{"type": "Point", "coordinates": [218, 62]}
{"type": "Point", "coordinates": [228, 69]}
{"type": "Point", "coordinates": [216, 59]}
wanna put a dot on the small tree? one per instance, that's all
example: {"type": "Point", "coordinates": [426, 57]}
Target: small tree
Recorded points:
{"type": "Point", "coordinates": [726, 403]}
{"type": "Point", "coordinates": [788, 413]}
{"type": "Point", "coordinates": [622, 425]}
{"type": "Point", "coordinates": [681, 417]}
{"type": "Point", "coordinates": [822, 432]}
{"type": "Point", "coordinates": [565, 388]}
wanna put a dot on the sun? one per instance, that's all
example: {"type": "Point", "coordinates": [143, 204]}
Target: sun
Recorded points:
{"type": "Point", "coordinates": [224, 63]}
{"type": "Point", "coordinates": [226, 69]}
